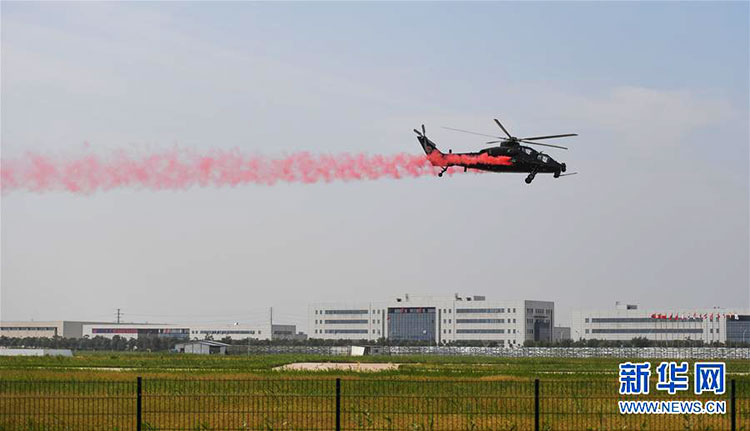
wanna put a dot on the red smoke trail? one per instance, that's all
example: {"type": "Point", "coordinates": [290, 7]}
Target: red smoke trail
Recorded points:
{"type": "Point", "coordinates": [183, 169]}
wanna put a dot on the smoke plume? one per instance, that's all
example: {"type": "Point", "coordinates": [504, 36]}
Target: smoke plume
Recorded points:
{"type": "Point", "coordinates": [180, 169]}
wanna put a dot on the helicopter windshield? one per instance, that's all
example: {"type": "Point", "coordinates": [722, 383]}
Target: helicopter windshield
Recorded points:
{"type": "Point", "coordinates": [529, 151]}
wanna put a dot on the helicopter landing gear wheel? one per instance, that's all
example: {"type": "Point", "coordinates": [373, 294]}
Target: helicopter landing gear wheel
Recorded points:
{"type": "Point", "coordinates": [530, 178]}
{"type": "Point", "coordinates": [557, 174]}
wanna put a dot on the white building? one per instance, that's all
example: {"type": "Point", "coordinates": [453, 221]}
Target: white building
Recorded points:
{"type": "Point", "coordinates": [434, 319]}
{"type": "Point", "coordinates": [202, 347]}
{"type": "Point", "coordinates": [190, 331]}
{"type": "Point", "coordinates": [627, 321]}
{"type": "Point", "coordinates": [79, 329]}
{"type": "Point", "coordinates": [44, 329]}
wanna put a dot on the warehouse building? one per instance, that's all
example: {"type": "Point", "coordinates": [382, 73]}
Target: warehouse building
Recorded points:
{"type": "Point", "coordinates": [44, 329]}
{"type": "Point", "coordinates": [435, 319]}
{"type": "Point", "coordinates": [78, 329]}
{"type": "Point", "coordinates": [192, 332]}
{"type": "Point", "coordinates": [627, 321]}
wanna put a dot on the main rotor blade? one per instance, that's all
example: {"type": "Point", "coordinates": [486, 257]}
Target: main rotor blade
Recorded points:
{"type": "Point", "coordinates": [424, 132]}
{"type": "Point", "coordinates": [495, 142]}
{"type": "Point", "coordinates": [568, 174]}
{"type": "Point", "coordinates": [501, 126]}
{"type": "Point", "coordinates": [545, 145]}
{"type": "Point", "coordinates": [417, 132]}
{"type": "Point", "coordinates": [468, 131]}
{"type": "Point", "coordinates": [548, 137]}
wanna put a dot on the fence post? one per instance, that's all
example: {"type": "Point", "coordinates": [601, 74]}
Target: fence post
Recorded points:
{"type": "Point", "coordinates": [338, 404]}
{"type": "Point", "coordinates": [732, 408]}
{"type": "Point", "coordinates": [536, 404]}
{"type": "Point", "coordinates": [138, 404]}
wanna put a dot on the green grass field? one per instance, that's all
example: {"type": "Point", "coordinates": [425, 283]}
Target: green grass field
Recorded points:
{"type": "Point", "coordinates": [96, 391]}
{"type": "Point", "coordinates": [124, 366]}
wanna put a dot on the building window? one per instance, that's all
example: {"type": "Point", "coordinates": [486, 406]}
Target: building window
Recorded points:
{"type": "Point", "coordinates": [529, 311]}
{"type": "Point", "coordinates": [645, 331]}
{"type": "Point", "coordinates": [346, 312]}
{"type": "Point", "coordinates": [346, 331]}
{"type": "Point", "coordinates": [480, 320]}
{"type": "Point", "coordinates": [586, 320]}
{"type": "Point", "coordinates": [346, 321]}
{"type": "Point", "coordinates": [480, 331]}
{"type": "Point", "coordinates": [479, 310]}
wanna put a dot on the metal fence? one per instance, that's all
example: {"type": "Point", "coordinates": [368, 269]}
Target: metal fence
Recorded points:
{"type": "Point", "coordinates": [350, 404]}
{"type": "Point", "coordinates": [519, 352]}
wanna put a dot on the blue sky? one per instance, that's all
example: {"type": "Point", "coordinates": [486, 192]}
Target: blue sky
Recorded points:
{"type": "Point", "coordinates": [657, 91]}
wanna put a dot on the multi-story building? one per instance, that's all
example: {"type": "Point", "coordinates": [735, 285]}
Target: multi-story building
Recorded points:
{"type": "Point", "coordinates": [434, 319]}
{"type": "Point", "coordinates": [627, 321]}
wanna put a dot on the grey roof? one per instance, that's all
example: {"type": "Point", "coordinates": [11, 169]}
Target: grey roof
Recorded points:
{"type": "Point", "coordinates": [205, 342]}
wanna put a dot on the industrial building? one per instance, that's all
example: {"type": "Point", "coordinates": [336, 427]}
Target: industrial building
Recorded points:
{"type": "Point", "coordinates": [193, 332]}
{"type": "Point", "coordinates": [43, 329]}
{"type": "Point", "coordinates": [435, 319]}
{"type": "Point", "coordinates": [627, 321]}
{"type": "Point", "coordinates": [76, 329]}
{"type": "Point", "coordinates": [202, 347]}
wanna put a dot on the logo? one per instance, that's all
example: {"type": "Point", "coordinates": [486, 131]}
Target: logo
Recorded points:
{"type": "Point", "coordinates": [672, 377]}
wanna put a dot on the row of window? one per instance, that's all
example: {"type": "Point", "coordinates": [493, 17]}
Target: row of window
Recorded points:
{"type": "Point", "coordinates": [346, 331]}
{"type": "Point", "coordinates": [31, 328]}
{"type": "Point", "coordinates": [480, 331]}
{"type": "Point", "coordinates": [343, 321]}
{"type": "Point", "coordinates": [342, 311]}
{"type": "Point", "coordinates": [347, 311]}
{"type": "Point", "coordinates": [481, 321]}
{"type": "Point", "coordinates": [484, 310]}
{"type": "Point", "coordinates": [647, 331]}
{"type": "Point", "coordinates": [634, 320]}
{"type": "Point", "coordinates": [226, 332]}
{"type": "Point", "coordinates": [144, 331]}
{"type": "Point", "coordinates": [346, 321]}
{"type": "Point", "coordinates": [538, 311]}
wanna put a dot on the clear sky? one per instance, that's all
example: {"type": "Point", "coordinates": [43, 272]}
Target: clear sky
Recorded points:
{"type": "Point", "coordinates": [657, 216]}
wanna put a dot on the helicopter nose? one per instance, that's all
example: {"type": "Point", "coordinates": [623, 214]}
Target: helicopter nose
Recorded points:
{"type": "Point", "coordinates": [563, 167]}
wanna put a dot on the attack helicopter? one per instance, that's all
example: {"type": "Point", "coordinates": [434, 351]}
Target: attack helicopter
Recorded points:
{"type": "Point", "coordinates": [510, 156]}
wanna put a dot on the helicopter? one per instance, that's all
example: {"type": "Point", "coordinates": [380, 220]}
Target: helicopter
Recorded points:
{"type": "Point", "coordinates": [510, 156]}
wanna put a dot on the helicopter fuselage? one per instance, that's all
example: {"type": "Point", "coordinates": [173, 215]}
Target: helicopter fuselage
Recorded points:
{"type": "Point", "coordinates": [504, 158]}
